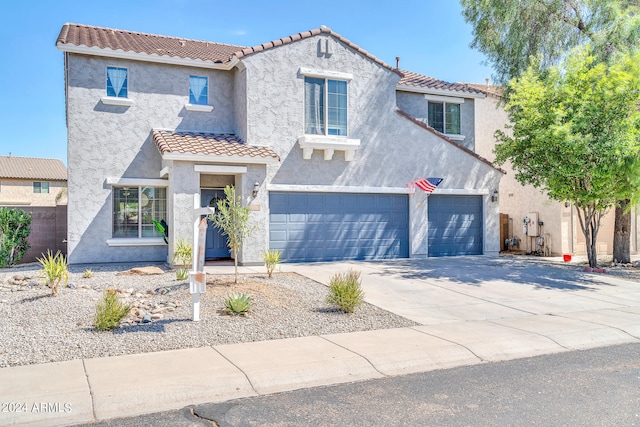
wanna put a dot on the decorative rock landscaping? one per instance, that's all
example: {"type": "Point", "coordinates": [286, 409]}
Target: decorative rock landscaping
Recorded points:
{"type": "Point", "coordinates": [37, 328]}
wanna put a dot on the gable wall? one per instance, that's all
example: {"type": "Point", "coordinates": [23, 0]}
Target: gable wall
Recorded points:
{"type": "Point", "coordinates": [393, 152]}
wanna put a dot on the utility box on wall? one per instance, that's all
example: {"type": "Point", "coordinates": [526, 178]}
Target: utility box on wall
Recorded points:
{"type": "Point", "coordinates": [533, 224]}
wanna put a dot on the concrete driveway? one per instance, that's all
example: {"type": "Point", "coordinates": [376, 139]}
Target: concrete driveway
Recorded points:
{"type": "Point", "coordinates": [482, 300]}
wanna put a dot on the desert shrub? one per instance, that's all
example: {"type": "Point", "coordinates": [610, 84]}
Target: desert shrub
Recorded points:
{"type": "Point", "coordinates": [238, 303]}
{"type": "Point", "coordinates": [55, 270]}
{"type": "Point", "coordinates": [271, 260]}
{"type": "Point", "coordinates": [15, 227]}
{"type": "Point", "coordinates": [345, 291]}
{"type": "Point", "coordinates": [183, 256]}
{"type": "Point", "coordinates": [88, 273]}
{"type": "Point", "coordinates": [109, 311]}
{"type": "Point", "coordinates": [182, 273]}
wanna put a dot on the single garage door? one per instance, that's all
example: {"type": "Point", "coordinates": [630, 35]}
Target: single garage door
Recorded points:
{"type": "Point", "coordinates": [338, 226]}
{"type": "Point", "coordinates": [455, 225]}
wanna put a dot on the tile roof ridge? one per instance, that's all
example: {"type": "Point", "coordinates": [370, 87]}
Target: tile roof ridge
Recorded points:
{"type": "Point", "coordinates": [467, 86]}
{"type": "Point", "coordinates": [310, 33]}
{"type": "Point", "coordinates": [138, 33]}
{"type": "Point", "coordinates": [447, 139]}
{"type": "Point", "coordinates": [30, 157]}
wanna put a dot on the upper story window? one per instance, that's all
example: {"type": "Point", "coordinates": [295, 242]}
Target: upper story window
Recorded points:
{"type": "Point", "coordinates": [198, 90]}
{"type": "Point", "coordinates": [135, 208]}
{"type": "Point", "coordinates": [117, 82]}
{"type": "Point", "coordinates": [325, 106]}
{"type": "Point", "coordinates": [41, 187]}
{"type": "Point", "coordinates": [444, 117]}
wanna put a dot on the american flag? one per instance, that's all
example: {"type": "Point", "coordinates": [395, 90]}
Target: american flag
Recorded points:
{"type": "Point", "coordinates": [426, 184]}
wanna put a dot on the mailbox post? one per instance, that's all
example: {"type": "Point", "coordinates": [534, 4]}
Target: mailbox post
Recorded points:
{"type": "Point", "coordinates": [198, 277]}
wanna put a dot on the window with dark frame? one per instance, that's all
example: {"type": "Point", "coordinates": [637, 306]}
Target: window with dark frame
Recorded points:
{"type": "Point", "coordinates": [135, 209]}
{"type": "Point", "coordinates": [444, 117]}
{"type": "Point", "coordinates": [41, 187]}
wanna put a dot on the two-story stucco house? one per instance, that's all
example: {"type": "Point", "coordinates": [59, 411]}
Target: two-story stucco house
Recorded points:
{"type": "Point", "coordinates": [319, 137]}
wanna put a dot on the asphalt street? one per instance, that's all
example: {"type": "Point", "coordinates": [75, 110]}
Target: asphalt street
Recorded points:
{"type": "Point", "coordinates": [597, 387]}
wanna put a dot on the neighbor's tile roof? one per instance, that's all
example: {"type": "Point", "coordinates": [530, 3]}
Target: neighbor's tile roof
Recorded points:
{"type": "Point", "coordinates": [151, 44]}
{"type": "Point", "coordinates": [418, 80]}
{"type": "Point", "coordinates": [32, 168]}
{"type": "Point", "coordinates": [493, 90]}
{"type": "Point", "coordinates": [207, 144]}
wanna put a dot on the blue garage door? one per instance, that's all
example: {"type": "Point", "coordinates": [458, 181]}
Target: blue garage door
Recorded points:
{"type": "Point", "coordinates": [338, 226]}
{"type": "Point", "coordinates": [455, 225]}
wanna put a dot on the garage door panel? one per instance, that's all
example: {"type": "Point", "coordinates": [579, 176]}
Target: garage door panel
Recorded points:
{"type": "Point", "coordinates": [455, 225]}
{"type": "Point", "coordinates": [339, 226]}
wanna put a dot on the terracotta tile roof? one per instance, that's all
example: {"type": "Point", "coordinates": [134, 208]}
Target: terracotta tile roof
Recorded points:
{"type": "Point", "coordinates": [492, 90]}
{"type": "Point", "coordinates": [449, 140]}
{"type": "Point", "coordinates": [32, 168]}
{"type": "Point", "coordinates": [306, 34]}
{"type": "Point", "coordinates": [418, 80]}
{"type": "Point", "coordinates": [151, 44]}
{"type": "Point", "coordinates": [207, 144]}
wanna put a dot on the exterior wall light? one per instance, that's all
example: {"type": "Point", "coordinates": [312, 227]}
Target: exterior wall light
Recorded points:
{"type": "Point", "coordinates": [494, 196]}
{"type": "Point", "coordinates": [256, 187]}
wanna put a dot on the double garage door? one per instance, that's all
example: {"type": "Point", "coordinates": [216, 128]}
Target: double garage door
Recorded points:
{"type": "Point", "coordinates": [345, 226]}
{"type": "Point", "coordinates": [339, 226]}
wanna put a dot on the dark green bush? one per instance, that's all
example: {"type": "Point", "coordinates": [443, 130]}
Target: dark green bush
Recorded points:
{"type": "Point", "coordinates": [15, 227]}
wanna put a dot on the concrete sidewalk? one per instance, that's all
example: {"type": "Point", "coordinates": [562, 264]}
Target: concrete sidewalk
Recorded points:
{"type": "Point", "coordinates": [463, 321]}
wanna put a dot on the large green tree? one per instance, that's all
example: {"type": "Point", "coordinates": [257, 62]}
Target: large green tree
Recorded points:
{"type": "Point", "coordinates": [576, 134]}
{"type": "Point", "coordinates": [513, 32]}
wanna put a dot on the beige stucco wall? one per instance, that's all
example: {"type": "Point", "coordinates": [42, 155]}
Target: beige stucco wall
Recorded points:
{"type": "Point", "coordinates": [560, 222]}
{"type": "Point", "coordinates": [18, 192]}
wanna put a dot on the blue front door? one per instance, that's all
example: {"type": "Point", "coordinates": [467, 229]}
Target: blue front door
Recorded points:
{"type": "Point", "coordinates": [216, 245]}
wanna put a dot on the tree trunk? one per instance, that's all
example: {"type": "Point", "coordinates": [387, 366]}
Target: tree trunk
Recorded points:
{"type": "Point", "coordinates": [622, 233]}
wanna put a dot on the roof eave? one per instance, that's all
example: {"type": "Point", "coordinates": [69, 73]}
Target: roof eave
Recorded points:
{"type": "Point", "coordinates": [444, 92]}
{"type": "Point", "coordinates": [139, 56]}
{"type": "Point", "coordinates": [215, 158]}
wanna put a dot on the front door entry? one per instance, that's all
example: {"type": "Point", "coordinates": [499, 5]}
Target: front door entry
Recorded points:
{"type": "Point", "coordinates": [216, 245]}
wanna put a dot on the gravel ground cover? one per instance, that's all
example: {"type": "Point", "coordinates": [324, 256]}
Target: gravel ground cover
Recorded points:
{"type": "Point", "coordinates": [38, 328]}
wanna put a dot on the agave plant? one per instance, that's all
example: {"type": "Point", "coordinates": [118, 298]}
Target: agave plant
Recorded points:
{"type": "Point", "coordinates": [238, 303]}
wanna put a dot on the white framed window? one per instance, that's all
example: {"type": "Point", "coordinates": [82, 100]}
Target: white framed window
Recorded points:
{"type": "Point", "coordinates": [117, 82]}
{"type": "Point", "coordinates": [444, 117]}
{"type": "Point", "coordinates": [198, 90]}
{"type": "Point", "coordinates": [41, 187]}
{"type": "Point", "coordinates": [134, 210]}
{"type": "Point", "coordinates": [325, 106]}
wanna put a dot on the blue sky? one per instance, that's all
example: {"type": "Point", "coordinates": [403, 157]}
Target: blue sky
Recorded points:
{"type": "Point", "coordinates": [430, 36]}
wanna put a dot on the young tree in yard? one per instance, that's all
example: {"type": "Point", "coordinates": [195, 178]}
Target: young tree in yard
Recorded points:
{"type": "Point", "coordinates": [576, 135]}
{"type": "Point", "coordinates": [233, 220]}
{"type": "Point", "coordinates": [511, 32]}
